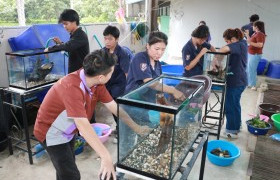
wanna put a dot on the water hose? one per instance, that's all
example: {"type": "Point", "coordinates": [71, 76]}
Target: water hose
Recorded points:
{"type": "Point", "coordinates": [48, 42]}
{"type": "Point", "coordinates": [95, 37]}
{"type": "Point", "coordinates": [47, 45]}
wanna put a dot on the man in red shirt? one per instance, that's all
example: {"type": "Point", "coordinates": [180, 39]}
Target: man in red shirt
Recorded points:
{"type": "Point", "coordinates": [67, 108]}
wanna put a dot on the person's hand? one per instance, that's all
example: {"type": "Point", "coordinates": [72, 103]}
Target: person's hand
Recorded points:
{"type": "Point", "coordinates": [57, 40]}
{"type": "Point", "coordinates": [204, 50]}
{"type": "Point", "coordinates": [215, 63]}
{"type": "Point", "coordinates": [107, 169]}
{"type": "Point", "coordinates": [246, 32]}
{"type": "Point", "coordinates": [143, 130]}
{"type": "Point", "coordinates": [178, 95]}
{"type": "Point", "coordinates": [46, 50]}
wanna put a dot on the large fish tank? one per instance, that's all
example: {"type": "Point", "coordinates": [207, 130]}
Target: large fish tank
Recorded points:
{"type": "Point", "coordinates": [173, 127]}
{"type": "Point", "coordinates": [215, 65]}
{"type": "Point", "coordinates": [29, 69]}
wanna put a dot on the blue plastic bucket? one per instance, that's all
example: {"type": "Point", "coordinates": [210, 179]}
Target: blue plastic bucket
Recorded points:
{"type": "Point", "coordinates": [234, 152]}
{"type": "Point", "coordinates": [262, 66]}
{"type": "Point", "coordinates": [273, 70]}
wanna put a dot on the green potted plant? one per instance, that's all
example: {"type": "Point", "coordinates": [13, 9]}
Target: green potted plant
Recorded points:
{"type": "Point", "coordinates": [258, 125]}
{"type": "Point", "coordinates": [79, 145]}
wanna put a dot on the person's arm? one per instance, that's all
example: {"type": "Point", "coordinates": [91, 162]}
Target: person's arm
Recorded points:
{"type": "Point", "coordinates": [257, 44]}
{"type": "Point", "coordinates": [86, 130]}
{"type": "Point", "coordinates": [74, 43]}
{"type": "Point", "coordinates": [125, 62]}
{"type": "Point", "coordinates": [224, 49]}
{"type": "Point", "coordinates": [196, 59]}
{"type": "Point", "coordinates": [167, 89]}
{"type": "Point", "coordinates": [112, 107]}
{"type": "Point", "coordinates": [212, 49]}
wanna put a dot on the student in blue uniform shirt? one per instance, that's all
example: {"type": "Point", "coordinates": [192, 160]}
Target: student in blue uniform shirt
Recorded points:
{"type": "Point", "coordinates": [194, 50]}
{"type": "Point", "coordinates": [236, 80]}
{"type": "Point", "coordinates": [144, 67]}
{"type": "Point", "coordinates": [116, 85]}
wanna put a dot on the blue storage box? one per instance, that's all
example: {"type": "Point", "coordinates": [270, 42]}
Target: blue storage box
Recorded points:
{"type": "Point", "coordinates": [37, 36]}
{"type": "Point", "coordinates": [173, 70]}
{"type": "Point", "coordinates": [273, 70]}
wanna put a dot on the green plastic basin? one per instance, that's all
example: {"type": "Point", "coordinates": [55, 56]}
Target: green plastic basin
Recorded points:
{"type": "Point", "coordinates": [276, 121]}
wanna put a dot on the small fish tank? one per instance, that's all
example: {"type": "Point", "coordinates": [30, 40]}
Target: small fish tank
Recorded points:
{"type": "Point", "coordinates": [173, 126]}
{"type": "Point", "coordinates": [29, 69]}
{"type": "Point", "coordinates": [215, 65]}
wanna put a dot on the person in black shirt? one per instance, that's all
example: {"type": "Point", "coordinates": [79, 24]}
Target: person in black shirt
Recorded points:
{"type": "Point", "coordinates": [78, 45]}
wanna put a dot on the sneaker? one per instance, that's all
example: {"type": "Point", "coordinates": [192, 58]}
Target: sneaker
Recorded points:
{"type": "Point", "coordinates": [115, 140]}
{"type": "Point", "coordinates": [254, 88]}
{"type": "Point", "coordinates": [230, 135]}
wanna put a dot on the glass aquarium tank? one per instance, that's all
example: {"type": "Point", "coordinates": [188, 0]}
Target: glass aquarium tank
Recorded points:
{"type": "Point", "coordinates": [28, 69]}
{"type": "Point", "coordinates": [215, 65]}
{"type": "Point", "coordinates": [173, 126]}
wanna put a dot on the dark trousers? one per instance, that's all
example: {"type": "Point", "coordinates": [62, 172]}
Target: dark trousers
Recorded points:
{"type": "Point", "coordinates": [63, 159]}
{"type": "Point", "coordinates": [233, 109]}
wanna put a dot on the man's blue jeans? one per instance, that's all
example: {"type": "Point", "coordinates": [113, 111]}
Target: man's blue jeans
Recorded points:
{"type": "Point", "coordinates": [233, 109]}
{"type": "Point", "coordinates": [252, 65]}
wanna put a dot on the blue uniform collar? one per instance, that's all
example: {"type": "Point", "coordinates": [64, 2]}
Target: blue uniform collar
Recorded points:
{"type": "Point", "coordinates": [157, 68]}
{"type": "Point", "coordinates": [192, 46]}
{"type": "Point", "coordinates": [116, 50]}
{"type": "Point", "coordinates": [83, 78]}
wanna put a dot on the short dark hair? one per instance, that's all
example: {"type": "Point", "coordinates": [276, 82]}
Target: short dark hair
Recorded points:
{"type": "Point", "coordinates": [201, 31]}
{"type": "Point", "coordinates": [99, 62]}
{"type": "Point", "coordinates": [112, 30]}
{"type": "Point", "coordinates": [69, 15]}
{"type": "Point", "coordinates": [254, 18]}
{"type": "Point", "coordinates": [202, 22]}
{"type": "Point", "coordinates": [156, 37]}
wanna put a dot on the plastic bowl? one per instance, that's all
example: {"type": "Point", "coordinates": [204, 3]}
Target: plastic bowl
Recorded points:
{"type": "Point", "coordinates": [269, 109]}
{"type": "Point", "coordinates": [257, 131]}
{"type": "Point", "coordinates": [276, 121]}
{"type": "Point", "coordinates": [234, 151]}
{"type": "Point", "coordinates": [79, 150]}
{"type": "Point", "coordinates": [106, 131]}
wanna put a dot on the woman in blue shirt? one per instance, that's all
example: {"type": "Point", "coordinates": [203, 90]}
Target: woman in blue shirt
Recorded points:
{"type": "Point", "coordinates": [194, 50]}
{"type": "Point", "coordinates": [145, 66]}
{"type": "Point", "coordinates": [236, 80]}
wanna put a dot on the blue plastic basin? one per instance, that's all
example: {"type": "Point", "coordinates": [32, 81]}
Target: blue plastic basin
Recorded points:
{"type": "Point", "coordinates": [258, 131]}
{"type": "Point", "coordinates": [224, 145]}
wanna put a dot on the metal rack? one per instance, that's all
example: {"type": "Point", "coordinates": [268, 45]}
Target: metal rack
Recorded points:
{"type": "Point", "coordinates": [199, 144]}
{"type": "Point", "coordinates": [8, 96]}
{"type": "Point", "coordinates": [214, 114]}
